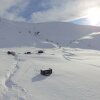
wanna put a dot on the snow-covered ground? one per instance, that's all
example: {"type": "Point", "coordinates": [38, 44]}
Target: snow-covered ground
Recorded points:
{"type": "Point", "coordinates": [75, 74]}
{"type": "Point", "coordinates": [72, 51]}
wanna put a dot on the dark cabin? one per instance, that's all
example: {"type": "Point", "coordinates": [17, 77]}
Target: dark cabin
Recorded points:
{"type": "Point", "coordinates": [11, 53]}
{"type": "Point", "coordinates": [46, 72]}
{"type": "Point", "coordinates": [27, 53]}
{"type": "Point", "coordinates": [40, 51]}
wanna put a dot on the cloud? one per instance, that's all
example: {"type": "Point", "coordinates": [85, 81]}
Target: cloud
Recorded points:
{"type": "Point", "coordinates": [45, 10]}
{"type": "Point", "coordinates": [4, 4]}
{"type": "Point", "coordinates": [61, 10]}
{"type": "Point", "coordinates": [7, 6]}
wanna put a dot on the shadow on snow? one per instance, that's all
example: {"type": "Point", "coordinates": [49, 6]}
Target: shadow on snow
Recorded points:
{"type": "Point", "coordinates": [38, 77]}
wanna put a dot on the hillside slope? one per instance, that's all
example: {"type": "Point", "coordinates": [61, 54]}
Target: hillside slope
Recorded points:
{"type": "Point", "coordinates": [76, 71]}
{"type": "Point", "coordinates": [90, 41]}
{"type": "Point", "coordinates": [17, 34]}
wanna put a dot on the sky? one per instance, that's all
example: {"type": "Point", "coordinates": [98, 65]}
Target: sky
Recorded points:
{"type": "Point", "coordinates": [47, 10]}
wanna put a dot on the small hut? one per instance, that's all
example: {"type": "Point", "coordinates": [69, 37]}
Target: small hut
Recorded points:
{"type": "Point", "coordinates": [28, 52]}
{"type": "Point", "coordinates": [40, 51]}
{"type": "Point", "coordinates": [46, 72]}
{"type": "Point", "coordinates": [11, 53]}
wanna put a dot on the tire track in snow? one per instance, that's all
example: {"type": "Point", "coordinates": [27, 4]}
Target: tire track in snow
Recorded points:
{"type": "Point", "coordinates": [12, 85]}
{"type": "Point", "coordinates": [46, 41]}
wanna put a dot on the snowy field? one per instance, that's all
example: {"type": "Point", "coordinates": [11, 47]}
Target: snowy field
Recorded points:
{"type": "Point", "coordinates": [72, 51]}
{"type": "Point", "coordinates": [75, 74]}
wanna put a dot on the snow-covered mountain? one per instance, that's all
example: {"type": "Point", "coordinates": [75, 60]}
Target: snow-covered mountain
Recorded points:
{"type": "Point", "coordinates": [17, 34]}
{"type": "Point", "coordinates": [67, 50]}
{"type": "Point", "coordinates": [90, 41]}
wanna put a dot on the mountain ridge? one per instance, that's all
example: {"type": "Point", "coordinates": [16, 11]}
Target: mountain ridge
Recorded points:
{"type": "Point", "coordinates": [18, 34]}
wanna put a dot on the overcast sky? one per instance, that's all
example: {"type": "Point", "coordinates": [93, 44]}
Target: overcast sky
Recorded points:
{"type": "Point", "coordinates": [45, 10]}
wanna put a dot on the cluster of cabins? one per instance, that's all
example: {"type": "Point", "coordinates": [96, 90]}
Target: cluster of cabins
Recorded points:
{"type": "Point", "coordinates": [46, 72]}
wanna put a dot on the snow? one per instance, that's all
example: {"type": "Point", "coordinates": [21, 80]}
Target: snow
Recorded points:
{"type": "Point", "coordinates": [75, 64]}
{"type": "Point", "coordinates": [42, 35]}
{"type": "Point", "coordinates": [75, 75]}
{"type": "Point", "coordinates": [90, 41]}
